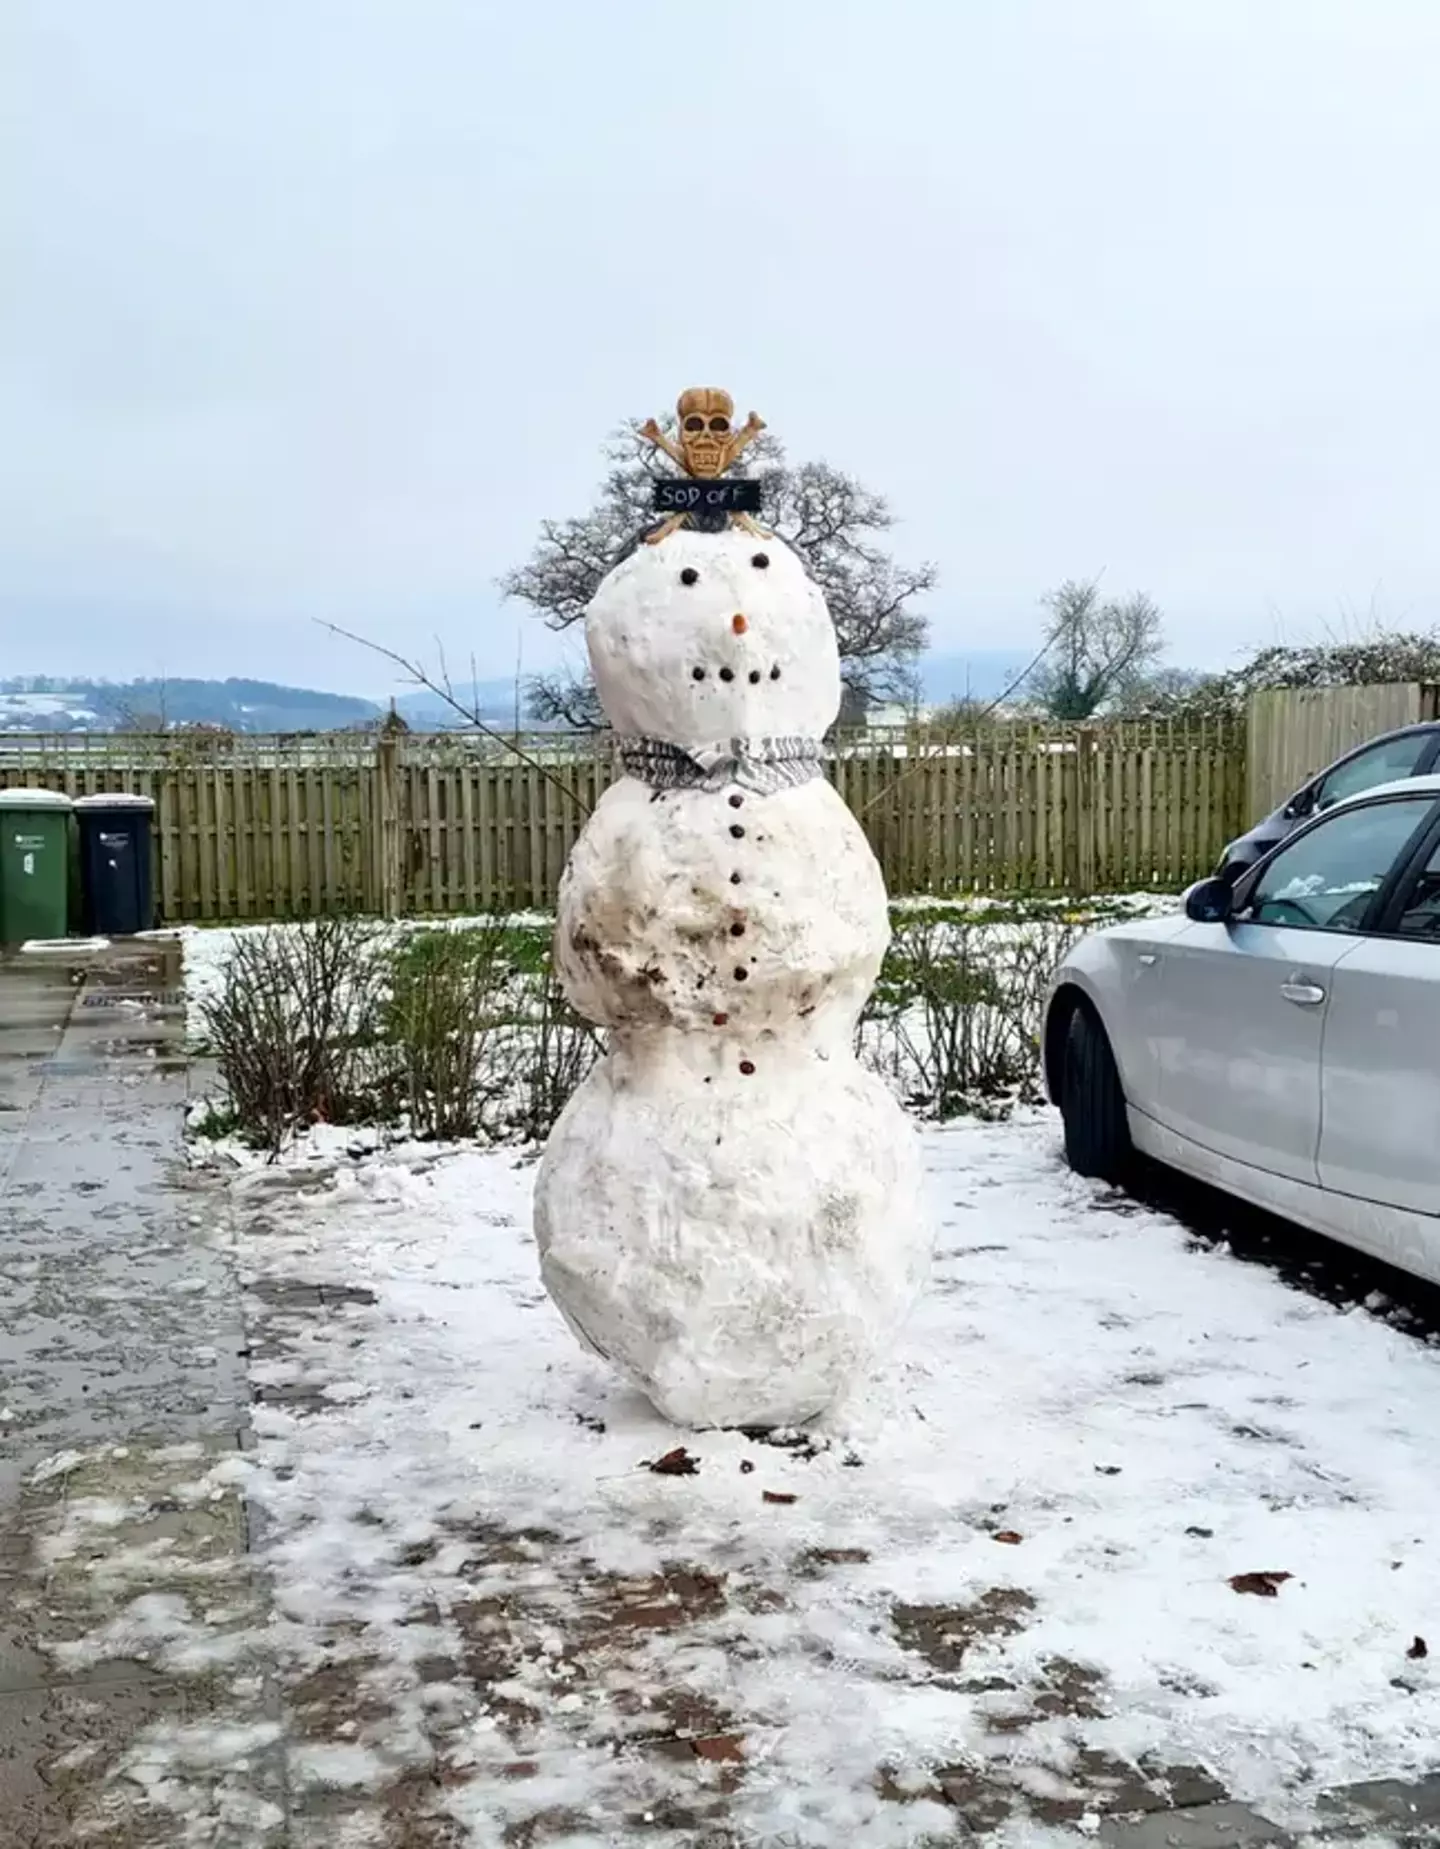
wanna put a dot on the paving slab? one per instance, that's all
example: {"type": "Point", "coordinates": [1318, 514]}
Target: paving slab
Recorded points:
{"type": "Point", "coordinates": [1412, 1805]}
{"type": "Point", "coordinates": [1205, 1826]}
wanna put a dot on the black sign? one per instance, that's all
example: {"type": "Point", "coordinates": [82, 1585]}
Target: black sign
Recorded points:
{"type": "Point", "coordinates": [684, 496]}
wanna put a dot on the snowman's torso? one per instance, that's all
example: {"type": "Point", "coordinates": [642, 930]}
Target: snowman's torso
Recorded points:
{"type": "Point", "coordinates": [683, 905]}
{"type": "Point", "coordinates": [729, 1207]}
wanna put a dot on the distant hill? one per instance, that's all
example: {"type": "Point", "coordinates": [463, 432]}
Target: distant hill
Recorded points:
{"type": "Point", "coordinates": [493, 700]}
{"type": "Point", "coordinates": [40, 703]}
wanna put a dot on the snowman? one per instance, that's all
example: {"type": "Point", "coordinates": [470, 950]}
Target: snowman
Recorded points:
{"type": "Point", "coordinates": [729, 1207]}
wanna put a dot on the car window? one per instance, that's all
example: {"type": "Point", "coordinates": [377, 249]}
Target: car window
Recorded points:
{"type": "Point", "coordinates": [1420, 912]}
{"type": "Point", "coordinates": [1386, 762]}
{"type": "Point", "coordinates": [1326, 880]}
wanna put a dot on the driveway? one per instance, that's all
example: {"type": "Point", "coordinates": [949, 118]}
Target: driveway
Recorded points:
{"type": "Point", "coordinates": [1134, 1541]}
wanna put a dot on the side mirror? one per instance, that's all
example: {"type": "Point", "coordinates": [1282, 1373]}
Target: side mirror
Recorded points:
{"type": "Point", "coordinates": [1210, 902]}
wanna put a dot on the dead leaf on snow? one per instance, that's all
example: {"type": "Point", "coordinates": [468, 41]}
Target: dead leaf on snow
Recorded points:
{"type": "Point", "coordinates": [779, 1495]}
{"type": "Point", "coordinates": [676, 1463]}
{"type": "Point", "coordinates": [1007, 1537]}
{"type": "Point", "coordinates": [1263, 1585]}
{"type": "Point", "coordinates": [720, 1746]}
{"type": "Point", "coordinates": [1418, 1649]}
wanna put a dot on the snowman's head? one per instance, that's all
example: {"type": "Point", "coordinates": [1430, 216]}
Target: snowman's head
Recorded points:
{"type": "Point", "coordinates": [712, 636]}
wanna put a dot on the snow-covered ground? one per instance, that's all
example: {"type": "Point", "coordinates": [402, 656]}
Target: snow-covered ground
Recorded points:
{"type": "Point", "coordinates": [995, 1583]}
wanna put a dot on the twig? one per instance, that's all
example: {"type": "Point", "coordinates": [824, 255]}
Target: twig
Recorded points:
{"type": "Point", "coordinates": [984, 713]}
{"type": "Point", "coordinates": [444, 692]}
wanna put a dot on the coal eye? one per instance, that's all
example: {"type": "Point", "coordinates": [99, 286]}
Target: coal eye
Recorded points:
{"type": "Point", "coordinates": [697, 674]}
{"type": "Point", "coordinates": [689, 575]}
{"type": "Point", "coordinates": [754, 677]}
{"type": "Point", "coordinates": [774, 674]}
{"type": "Point", "coordinates": [727, 674]}
{"type": "Point", "coordinates": [760, 560]}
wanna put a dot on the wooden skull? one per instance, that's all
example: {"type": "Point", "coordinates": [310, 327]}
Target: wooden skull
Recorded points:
{"type": "Point", "coordinates": [706, 429]}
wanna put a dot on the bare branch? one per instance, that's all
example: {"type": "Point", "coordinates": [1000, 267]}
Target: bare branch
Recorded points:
{"type": "Point", "coordinates": [443, 691]}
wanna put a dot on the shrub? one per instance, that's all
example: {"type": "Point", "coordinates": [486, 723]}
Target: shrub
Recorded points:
{"type": "Point", "coordinates": [294, 1027]}
{"type": "Point", "coordinates": [448, 1004]}
{"type": "Point", "coordinates": [956, 1017]}
{"type": "Point", "coordinates": [556, 1048]}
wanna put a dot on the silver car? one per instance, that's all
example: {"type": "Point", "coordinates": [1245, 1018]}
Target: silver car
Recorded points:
{"type": "Point", "coordinates": [1280, 1037]}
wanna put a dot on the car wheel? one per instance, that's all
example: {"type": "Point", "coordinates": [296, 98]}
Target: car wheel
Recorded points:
{"type": "Point", "coordinates": [1092, 1105]}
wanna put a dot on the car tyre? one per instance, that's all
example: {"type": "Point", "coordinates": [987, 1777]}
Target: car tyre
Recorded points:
{"type": "Point", "coordinates": [1092, 1104]}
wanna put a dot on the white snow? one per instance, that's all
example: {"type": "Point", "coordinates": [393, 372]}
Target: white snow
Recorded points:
{"type": "Point", "coordinates": [1148, 1418]}
{"type": "Point", "coordinates": [648, 632]}
{"type": "Point", "coordinates": [743, 1246]}
{"type": "Point", "coordinates": [647, 907]}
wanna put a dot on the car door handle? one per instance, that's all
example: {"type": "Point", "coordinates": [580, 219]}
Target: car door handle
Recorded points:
{"type": "Point", "coordinates": [1303, 994]}
{"type": "Point", "coordinates": [1148, 958]}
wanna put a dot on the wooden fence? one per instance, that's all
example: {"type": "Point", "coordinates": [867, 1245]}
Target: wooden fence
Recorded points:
{"type": "Point", "coordinates": [268, 828]}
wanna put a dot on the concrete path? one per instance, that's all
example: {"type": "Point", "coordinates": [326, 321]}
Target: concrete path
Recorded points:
{"type": "Point", "coordinates": [120, 1364]}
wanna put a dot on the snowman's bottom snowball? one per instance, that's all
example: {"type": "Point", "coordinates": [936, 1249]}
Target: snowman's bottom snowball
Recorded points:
{"type": "Point", "coordinates": [744, 1252]}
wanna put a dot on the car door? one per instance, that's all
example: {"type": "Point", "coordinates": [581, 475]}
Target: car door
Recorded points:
{"type": "Point", "coordinates": [1244, 1002]}
{"type": "Point", "coordinates": [1380, 1087]}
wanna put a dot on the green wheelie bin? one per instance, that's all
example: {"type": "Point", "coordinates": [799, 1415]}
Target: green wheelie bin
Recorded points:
{"type": "Point", "coordinates": [34, 865]}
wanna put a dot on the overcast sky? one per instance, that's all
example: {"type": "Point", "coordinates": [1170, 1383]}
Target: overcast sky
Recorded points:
{"type": "Point", "coordinates": [318, 307]}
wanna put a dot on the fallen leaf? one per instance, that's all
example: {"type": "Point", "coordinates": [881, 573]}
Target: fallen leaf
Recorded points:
{"type": "Point", "coordinates": [1263, 1585]}
{"type": "Point", "coordinates": [723, 1746]}
{"type": "Point", "coordinates": [778, 1495]}
{"type": "Point", "coordinates": [1007, 1537]}
{"type": "Point", "coordinates": [676, 1463]}
{"type": "Point", "coordinates": [1418, 1649]}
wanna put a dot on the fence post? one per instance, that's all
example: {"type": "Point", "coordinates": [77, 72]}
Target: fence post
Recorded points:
{"type": "Point", "coordinates": [387, 883]}
{"type": "Point", "coordinates": [1077, 812]}
{"type": "Point", "coordinates": [1086, 806]}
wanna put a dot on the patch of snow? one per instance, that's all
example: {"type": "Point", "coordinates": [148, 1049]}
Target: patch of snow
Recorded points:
{"type": "Point", "coordinates": [60, 1465]}
{"type": "Point", "coordinates": [1090, 1424]}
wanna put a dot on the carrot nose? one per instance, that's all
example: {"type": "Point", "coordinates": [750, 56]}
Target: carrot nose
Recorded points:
{"type": "Point", "coordinates": [738, 624]}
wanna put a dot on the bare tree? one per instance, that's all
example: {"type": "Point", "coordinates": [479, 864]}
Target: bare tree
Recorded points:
{"type": "Point", "coordinates": [833, 521]}
{"type": "Point", "coordinates": [1095, 650]}
{"type": "Point", "coordinates": [564, 699]}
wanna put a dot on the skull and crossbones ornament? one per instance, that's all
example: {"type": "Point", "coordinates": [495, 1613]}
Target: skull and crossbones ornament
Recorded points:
{"type": "Point", "coordinates": [709, 445]}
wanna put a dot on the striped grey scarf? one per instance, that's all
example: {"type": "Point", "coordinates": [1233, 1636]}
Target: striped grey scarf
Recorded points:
{"type": "Point", "coordinates": [763, 765]}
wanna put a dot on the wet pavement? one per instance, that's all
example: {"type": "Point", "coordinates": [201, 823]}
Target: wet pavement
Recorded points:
{"type": "Point", "coordinates": [120, 1367]}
